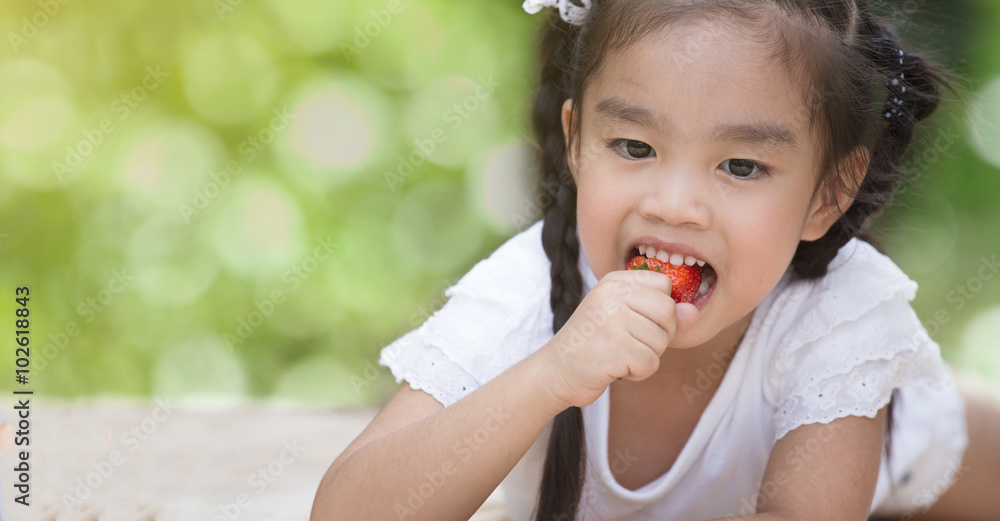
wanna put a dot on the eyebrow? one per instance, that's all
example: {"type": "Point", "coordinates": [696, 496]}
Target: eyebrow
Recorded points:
{"type": "Point", "coordinates": [758, 132]}
{"type": "Point", "coordinates": [618, 109]}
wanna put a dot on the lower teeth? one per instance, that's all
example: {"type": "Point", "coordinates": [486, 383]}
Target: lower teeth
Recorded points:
{"type": "Point", "coordinates": [708, 278]}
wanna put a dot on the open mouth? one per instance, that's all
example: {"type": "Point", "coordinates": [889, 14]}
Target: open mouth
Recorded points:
{"type": "Point", "coordinates": [708, 275]}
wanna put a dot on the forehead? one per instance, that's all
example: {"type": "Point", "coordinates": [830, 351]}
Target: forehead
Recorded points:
{"type": "Point", "coordinates": [702, 74]}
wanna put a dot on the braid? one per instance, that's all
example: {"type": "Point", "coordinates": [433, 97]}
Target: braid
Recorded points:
{"type": "Point", "coordinates": [563, 476]}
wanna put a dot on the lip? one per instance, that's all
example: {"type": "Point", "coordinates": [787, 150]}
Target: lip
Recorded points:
{"type": "Point", "coordinates": [700, 302]}
{"type": "Point", "coordinates": [659, 244]}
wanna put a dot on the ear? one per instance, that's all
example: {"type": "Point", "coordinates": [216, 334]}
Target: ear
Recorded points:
{"type": "Point", "coordinates": [567, 120]}
{"type": "Point", "coordinates": [831, 201]}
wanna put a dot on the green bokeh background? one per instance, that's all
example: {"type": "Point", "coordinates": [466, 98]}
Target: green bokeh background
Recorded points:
{"type": "Point", "coordinates": [155, 271]}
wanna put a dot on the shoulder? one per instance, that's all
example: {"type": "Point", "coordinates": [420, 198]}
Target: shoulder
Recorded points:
{"type": "Point", "coordinates": [496, 315]}
{"type": "Point", "coordinates": [517, 268]}
{"type": "Point", "coordinates": [859, 280]}
{"type": "Point", "coordinates": [846, 340]}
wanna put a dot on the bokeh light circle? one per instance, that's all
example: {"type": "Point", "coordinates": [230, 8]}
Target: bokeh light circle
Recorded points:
{"type": "Point", "coordinates": [984, 123]}
{"type": "Point", "coordinates": [36, 105]}
{"type": "Point", "coordinates": [434, 229]}
{"type": "Point", "coordinates": [411, 50]}
{"type": "Point", "coordinates": [978, 351]}
{"type": "Point", "coordinates": [169, 163]}
{"type": "Point", "coordinates": [342, 128]}
{"type": "Point", "coordinates": [259, 230]}
{"type": "Point", "coordinates": [173, 266]}
{"type": "Point", "coordinates": [228, 78]}
{"type": "Point", "coordinates": [333, 132]}
{"type": "Point", "coordinates": [455, 118]}
{"type": "Point", "coordinates": [504, 183]}
{"type": "Point", "coordinates": [314, 25]}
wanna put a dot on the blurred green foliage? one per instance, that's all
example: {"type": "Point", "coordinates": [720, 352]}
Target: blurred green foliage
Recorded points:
{"type": "Point", "coordinates": [231, 200]}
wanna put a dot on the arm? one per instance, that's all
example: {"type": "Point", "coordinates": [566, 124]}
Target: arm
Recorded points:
{"type": "Point", "coordinates": [823, 472]}
{"type": "Point", "coordinates": [420, 460]}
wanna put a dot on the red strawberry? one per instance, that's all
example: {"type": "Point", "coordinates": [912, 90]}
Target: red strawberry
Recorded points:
{"type": "Point", "coordinates": [685, 280]}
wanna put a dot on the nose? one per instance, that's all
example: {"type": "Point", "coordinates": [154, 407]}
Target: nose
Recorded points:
{"type": "Point", "coordinates": [677, 196]}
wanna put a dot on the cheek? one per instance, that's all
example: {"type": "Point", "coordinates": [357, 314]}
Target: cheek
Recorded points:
{"type": "Point", "coordinates": [766, 236]}
{"type": "Point", "coordinates": [600, 212]}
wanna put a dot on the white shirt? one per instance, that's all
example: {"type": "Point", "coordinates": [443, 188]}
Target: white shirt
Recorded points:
{"type": "Point", "coordinates": [815, 351]}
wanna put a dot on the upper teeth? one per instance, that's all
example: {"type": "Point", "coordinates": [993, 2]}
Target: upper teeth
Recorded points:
{"type": "Point", "coordinates": [673, 258]}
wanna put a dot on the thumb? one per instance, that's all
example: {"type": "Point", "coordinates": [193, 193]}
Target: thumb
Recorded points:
{"type": "Point", "coordinates": [686, 315]}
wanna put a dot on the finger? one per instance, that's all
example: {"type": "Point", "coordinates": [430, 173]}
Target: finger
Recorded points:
{"type": "Point", "coordinates": [686, 315]}
{"type": "Point", "coordinates": [650, 334]}
{"type": "Point", "coordinates": [642, 363]}
{"type": "Point", "coordinates": [657, 307]}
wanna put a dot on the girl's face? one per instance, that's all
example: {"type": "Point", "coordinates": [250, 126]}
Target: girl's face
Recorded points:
{"type": "Point", "coordinates": [694, 142]}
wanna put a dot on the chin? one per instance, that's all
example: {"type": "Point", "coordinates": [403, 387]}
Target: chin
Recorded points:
{"type": "Point", "coordinates": [689, 338]}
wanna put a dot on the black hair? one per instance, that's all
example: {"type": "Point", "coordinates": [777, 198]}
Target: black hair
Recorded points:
{"type": "Point", "coordinates": [846, 55]}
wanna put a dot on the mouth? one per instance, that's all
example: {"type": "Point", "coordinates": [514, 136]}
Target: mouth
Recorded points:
{"type": "Point", "coordinates": [709, 278]}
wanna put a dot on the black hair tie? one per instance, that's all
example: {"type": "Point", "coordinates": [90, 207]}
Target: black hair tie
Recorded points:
{"type": "Point", "coordinates": [892, 58]}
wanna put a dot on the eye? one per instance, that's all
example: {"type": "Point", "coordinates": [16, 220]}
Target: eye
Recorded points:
{"type": "Point", "coordinates": [632, 149]}
{"type": "Point", "coordinates": [744, 168]}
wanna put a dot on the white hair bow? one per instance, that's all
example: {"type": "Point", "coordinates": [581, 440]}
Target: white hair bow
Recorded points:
{"type": "Point", "coordinates": [570, 12]}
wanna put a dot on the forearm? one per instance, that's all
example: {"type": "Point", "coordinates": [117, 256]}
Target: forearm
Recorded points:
{"type": "Point", "coordinates": [445, 466]}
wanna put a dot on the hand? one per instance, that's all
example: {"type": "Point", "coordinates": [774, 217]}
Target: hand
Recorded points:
{"type": "Point", "coordinates": [620, 330]}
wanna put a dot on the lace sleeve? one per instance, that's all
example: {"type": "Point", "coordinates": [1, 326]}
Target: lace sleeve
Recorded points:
{"type": "Point", "coordinates": [857, 340]}
{"type": "Point", "coordinates": [496, 315]}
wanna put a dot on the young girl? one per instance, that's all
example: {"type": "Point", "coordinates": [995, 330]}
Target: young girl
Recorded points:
{"type": "Point", "coordinates": [751, 140]}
